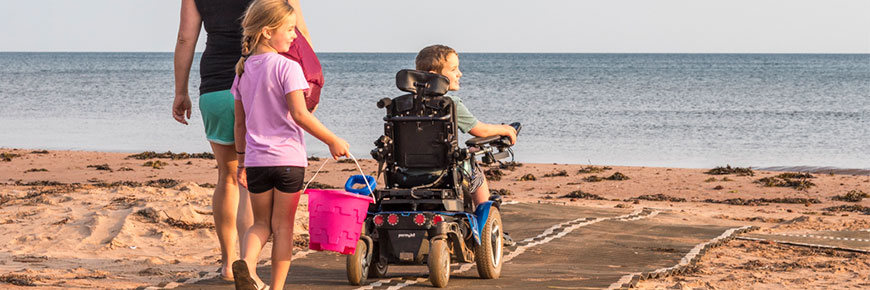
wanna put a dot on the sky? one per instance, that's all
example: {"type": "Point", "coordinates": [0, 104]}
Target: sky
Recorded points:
{"type": "Point", "coordinates": [567, 26]}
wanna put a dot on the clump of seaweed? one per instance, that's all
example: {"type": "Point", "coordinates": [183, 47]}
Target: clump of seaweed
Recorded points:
{"type": "Point", "coordinates": [190, 226]}
{"type": "Point", "coordinates": [740, 171]}
{"type": "Point", "coordinates": [527, 177]}
{"type": "Point", "coordinates": [776, 181]}
{"type": "Point", "coordinates": [849, 208]}
{"type": "Point", "coordinates": [509, 165]}
{"type": "Point", "coordinates": [103, 166]}
{"type": "Point", "coordinates": [39, 152]}
{"type": "Point", "coordinates": [318, 185]}
{"type": "Point", "coordinates": [149, 214]}
{"type": "Point", "coordinates": [169, 155]}
{"type": "Point", "coordinates": [592, 169]}
{"type": "Point", "coordinates": [163, 182]}
{"type": "Point", "coordinates": [346, 160]}
{"type": "Point", "coordinates": [795, 175]}
{"type": "Point", "coordinates": [156, 164]}
{"type": "Point", "coordinates": [582, 195]}
{"type": "Point", "coordinates": [207, 185]}
{"type": "Point", "coordinates": [711, 179]}
{"type": "Point", "coordinates": [493, 174]}
{"type": "Point", "coordinates": [39, 183]}
{"type": "Point", "coordinates": [301, 240]}
{"type": "Point", "coordinates": [718, 187]}
{"type": "Point", "coordinates": [558, 173]}
{"type": "Point", "coordinates": [502, 192]}
{"type": "Point", "coordinates": [657, 197]}
{"type": "Point", "coordinates": [36, 170]}
{"type": "Point", "coordinates": [124, 202]}
{"type": "Point", "coordinates": [852, 196]}
{"type": "Point", "coordinates": [18, 279]}
{"type": "Point", "coordinates": [764, 201]}
{"type": "Point", "coordinates": [6, 157]}
{"type": "Point", "coordinates": [125, 169]}
{"type": "Point", "coordinates": [313, 158]}
{"type": "Point", "coordinates": [119, 183]}
{"type": "Point", "coordinates": [592, 178]}
{"type": "Point", "coordinates": [618, 176]}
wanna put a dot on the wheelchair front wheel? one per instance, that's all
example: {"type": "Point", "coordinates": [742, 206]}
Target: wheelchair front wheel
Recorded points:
{"type": "Point", "coordinates": [358, 264]}
{"type": "Point", "coordinates": [439, 263]}
{"type": "Point", "coordinates": [488, 255]}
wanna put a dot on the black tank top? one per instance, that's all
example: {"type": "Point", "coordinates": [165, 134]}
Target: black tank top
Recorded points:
{"type": "Point", "coordinates": [223, 48]}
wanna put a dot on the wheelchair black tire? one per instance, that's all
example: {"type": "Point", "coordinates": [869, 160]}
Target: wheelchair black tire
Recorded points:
{"type": "Point", "coordinates": [377, 268]}
{"type": "Point", "coordinates": [490, 253]}
{"type": "Point", "coordinates": [439, 263]}
{"type": "Point", "coordinates": [357, 265]}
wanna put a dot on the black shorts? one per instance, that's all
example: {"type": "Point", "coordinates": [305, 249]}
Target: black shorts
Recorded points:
{"type": "Point", "coordinates": [283, 178]}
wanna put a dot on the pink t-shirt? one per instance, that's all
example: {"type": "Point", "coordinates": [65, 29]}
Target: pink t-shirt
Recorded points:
{"type": "Point", "coordinates": [273, 138]}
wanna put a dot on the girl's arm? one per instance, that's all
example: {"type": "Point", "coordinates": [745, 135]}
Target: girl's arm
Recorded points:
{"type": "Point", "coordinates": [188, 33]}
{"type": "Point", "coordinates": [296, 104]}
{"type": "Point", "coordinates": [300, 20]}
{"type": "Point", "coordinates": [240, 130]}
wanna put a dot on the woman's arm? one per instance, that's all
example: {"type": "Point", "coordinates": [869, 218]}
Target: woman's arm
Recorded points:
{"type": "Point", "coordinates": [300, 20]}
{"type": "Point", "coordinates": [296, 104]}
{"type": "Point", "coordinates": [188, 33]}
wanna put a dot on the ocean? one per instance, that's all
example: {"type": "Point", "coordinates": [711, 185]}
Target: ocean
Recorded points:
{"type": "Point", "coordinates": [674, 110]}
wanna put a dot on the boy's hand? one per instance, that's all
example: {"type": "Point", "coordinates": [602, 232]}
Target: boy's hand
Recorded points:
{"type": "Point", "coordinates": [511, 133]}
{"type": "Point", "coordinates": [339, 148]}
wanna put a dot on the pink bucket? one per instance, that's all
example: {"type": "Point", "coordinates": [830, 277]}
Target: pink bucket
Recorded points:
{"type": "Point", "coordinates": [335, 219]}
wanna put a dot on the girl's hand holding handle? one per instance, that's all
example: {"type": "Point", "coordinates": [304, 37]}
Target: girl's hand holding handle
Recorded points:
{"type": "Point", "coordinates": [339, 148]}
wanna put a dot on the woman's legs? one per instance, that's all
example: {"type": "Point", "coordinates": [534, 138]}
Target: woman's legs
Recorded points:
{"type": "Point", "coordinates": [283, 221]}
{"type": "Point", "coordinates": [257, 236]}
{"type": "Point", "coordinates": [225, 203]}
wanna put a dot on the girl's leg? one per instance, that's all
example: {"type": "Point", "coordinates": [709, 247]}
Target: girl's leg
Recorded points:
{"type": "Point", "coordinates": [283, 218]}
{"type": "Point", "coordinates": [244, 216]}
{"type": "Point", "coordinates": [259, 233]}
{"type": "Point", "coordinates": [225, 203]}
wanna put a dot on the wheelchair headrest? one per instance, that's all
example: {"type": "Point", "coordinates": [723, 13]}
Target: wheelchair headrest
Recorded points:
{"type": "Point", "coordinates": [408, 80]}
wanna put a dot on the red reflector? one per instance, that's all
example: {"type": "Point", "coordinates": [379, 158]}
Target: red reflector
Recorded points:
{"type": "Point", "coordinates": [437, 219]}
{"type": "Point", "coordinates": [379, 220]}
{"type": "Point", "coordinates": [419, 219]}
{"type": "Point", "coordinates": [393, 219]}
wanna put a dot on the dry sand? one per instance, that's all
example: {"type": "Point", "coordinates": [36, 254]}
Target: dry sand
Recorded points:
{"type": "Point", "coordinates": [88, 233]}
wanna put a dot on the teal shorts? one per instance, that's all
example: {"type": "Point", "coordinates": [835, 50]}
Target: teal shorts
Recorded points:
{"type": "Point", "coordinates": [218, 116]}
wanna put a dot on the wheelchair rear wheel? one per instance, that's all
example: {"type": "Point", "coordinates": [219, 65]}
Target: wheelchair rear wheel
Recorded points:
{"type": "Point", "coordinates": [358, 264]}
{"type": "Point", "coordinates": [488, 255]}
{"type": "Point", "coordinates": [439, 263]}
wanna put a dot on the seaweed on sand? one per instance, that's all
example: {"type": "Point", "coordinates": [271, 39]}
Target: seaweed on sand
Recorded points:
{"type": "Point", "coordinates": [318, 185]}
{"type": "Point", "coordinates": [617, 176]}
{"type": "Point", "coordinates": [764, 201]}
{"type": "Point", "coordinates": [795, 175]}
{"type": "Point", "coordinates": [36, 170]}
{"type": "Point", "coordinates": [657, 197]}
{"type": "Point", "coordinates": [163, 182]}
{"type": "Point", "coordinates": [501, 192]}
{"type": "Point", "coordinates": [103, 166]}
{"type": "Point", "coordinates": [852, 196]}
{"type": "Point", "coordinates": [190, 226]}
{"type": "Point", "coordinates": [156, 164]}
{"type": "Point", "coordinates": [849, 208]}
{"type": "Point", "coordinates": [18, 279]}
{"type": "Point", "coordinates": [582, 195]}
{"type": "Point", "coordinates": [6, 157]}
{"type": "Point", "coordinates": [740, 171]}
{"type": "Point", "coordinates": [509, 165]}
{"type": "Point", "coordinates": [170, 155]}
{"type": "Point", "coordinates": [313, 158]}
{"type": "Point", "coordinates": [528, 177]}
{"type": "Point", "coordinates": [592, 169]}
{"type": "Point", "coordinates": [776, 181]}
{"type": "Point", "coordinates": [493, 174]}
{"type": "Point", "coordinates": [558, 173]}
{"type": "Point", "coordinates": [592, 178]}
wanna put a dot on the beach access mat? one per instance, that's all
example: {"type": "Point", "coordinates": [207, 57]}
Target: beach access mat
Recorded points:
{"type": "Point", "coordinates": [558, 247]}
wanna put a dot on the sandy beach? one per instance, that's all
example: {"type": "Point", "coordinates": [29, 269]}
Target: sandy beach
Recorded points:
{"type": "Point", "coordinates": [76, 219]}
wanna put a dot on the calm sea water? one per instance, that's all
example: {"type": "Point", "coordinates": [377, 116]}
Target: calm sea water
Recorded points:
{"type": "Point", "coordinates": [683, 110]}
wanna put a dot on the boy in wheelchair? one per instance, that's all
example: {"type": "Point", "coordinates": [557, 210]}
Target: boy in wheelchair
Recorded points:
{"type": "Point", "coordinates": [443, 60]}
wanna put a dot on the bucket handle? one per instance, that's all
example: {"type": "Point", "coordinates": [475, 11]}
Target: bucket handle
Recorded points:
{"type": "Point", "coordinates": [368, 185]}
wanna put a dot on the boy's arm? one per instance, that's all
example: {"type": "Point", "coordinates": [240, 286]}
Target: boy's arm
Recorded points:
{"type": "Point", "coordinates": [485, 130]}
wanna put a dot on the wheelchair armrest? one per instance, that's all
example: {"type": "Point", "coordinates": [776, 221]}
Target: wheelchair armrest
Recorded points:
{"type": "Point", "coordinates": [481, 140]}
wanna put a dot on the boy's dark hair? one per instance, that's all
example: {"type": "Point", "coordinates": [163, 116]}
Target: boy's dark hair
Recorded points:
{"type": "Point", "coordinates": [433, 57]}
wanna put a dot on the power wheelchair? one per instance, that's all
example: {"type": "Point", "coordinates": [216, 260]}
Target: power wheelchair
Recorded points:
{"type": "Point", "coordinates": [428, 218]}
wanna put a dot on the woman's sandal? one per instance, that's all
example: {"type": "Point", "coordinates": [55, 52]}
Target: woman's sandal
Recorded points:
{"type": "Point", "coordinates": [243, 279]}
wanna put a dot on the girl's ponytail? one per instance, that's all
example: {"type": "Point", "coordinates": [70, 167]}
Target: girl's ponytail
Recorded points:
{"type": "Point", "coordinates": [246, 51]}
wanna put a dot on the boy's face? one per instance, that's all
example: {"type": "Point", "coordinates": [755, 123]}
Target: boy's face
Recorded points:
{"type": "Point", "coordinates": [451, 71]}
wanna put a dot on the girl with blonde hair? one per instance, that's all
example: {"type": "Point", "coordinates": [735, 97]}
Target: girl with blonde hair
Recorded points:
{"type": "Point", "coordinates": [270, 117]}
